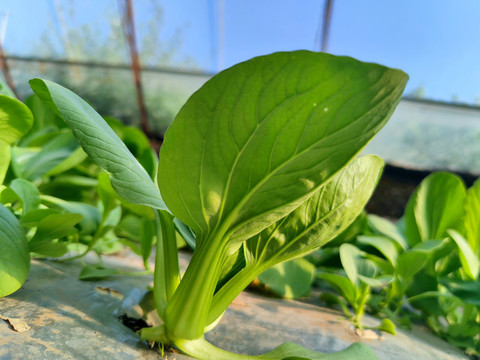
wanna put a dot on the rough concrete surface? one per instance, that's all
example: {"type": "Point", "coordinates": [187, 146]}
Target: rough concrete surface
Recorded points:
{"type": "Point", "coordinates": [60, 317]}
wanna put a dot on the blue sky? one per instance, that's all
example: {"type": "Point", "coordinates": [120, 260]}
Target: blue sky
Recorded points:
{"type": "Point", "coordinates": [435, 41]}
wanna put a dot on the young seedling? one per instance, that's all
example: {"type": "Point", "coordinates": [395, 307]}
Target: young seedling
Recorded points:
{"type": "Point", "coordinates": [260, 164]}
{"type": "Point", "coordinates": [355, 287]}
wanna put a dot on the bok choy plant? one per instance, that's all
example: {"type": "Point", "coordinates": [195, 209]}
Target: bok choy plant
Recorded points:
{"type": "Point", "coordinates": [260, 164]}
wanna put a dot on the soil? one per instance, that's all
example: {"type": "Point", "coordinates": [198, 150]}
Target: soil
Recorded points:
{"type": "Point", "coordinates": [71, 319]}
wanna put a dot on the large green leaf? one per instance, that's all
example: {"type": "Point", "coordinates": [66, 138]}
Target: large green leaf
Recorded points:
{"type": "Point", "coordinates": [253, 144]}
{"type": "Point", "coordinates": [14, 255]}
{"type": "Point", "coordinates": [137, 142]}
{"type": "Point", "coordinates": [472, 216]}
{"type": "Point", "coordinates": [100, 142]}
{"type": "Point", "coordinates": [260, 137]}
{"type": "Point", "coordinates": [106, 190]}
{"type": "Point", "coordinates": [435, 206]}
{"type": "Point", "coordinates": [320, 219]}
{"type": "Point", "coordinates": [325, 215]}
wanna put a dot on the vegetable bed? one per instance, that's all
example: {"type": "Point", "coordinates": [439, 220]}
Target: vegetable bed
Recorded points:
{"type": "Point", "coordinates": [63, 317]}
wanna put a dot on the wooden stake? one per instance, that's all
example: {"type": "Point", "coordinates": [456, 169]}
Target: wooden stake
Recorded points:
{"type": "Point", "coordinates": [129, 27]}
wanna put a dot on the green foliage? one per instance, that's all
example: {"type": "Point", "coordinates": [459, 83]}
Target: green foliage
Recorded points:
{"type": "Point", "coordinates": [40, 157]}
{"type": "Point", "coordinates": [258, 169]}
{"type": "Point", "coordinates": [257, 165]}
{"type": "Point", "coordinates": [355, 286]}
{"type": "Point", "coordinates": [260, 164]}
{"type": "Point", "coordinates": [238, 162]}
{"type": "Point", "coordinates": [107, 151]}
{"type": "Point", "coordinates": [428, 261]}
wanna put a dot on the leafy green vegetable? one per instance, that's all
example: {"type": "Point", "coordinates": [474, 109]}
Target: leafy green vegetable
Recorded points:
{"type": "Point", "coordinates": [404, 269]}
{"type": "Point", "coordinates": [431, 264]}
{"type": "Point", "coordinates": [128, 177]}
{"type": "Point", "coordinates": [355, 288]}
{"type": "Point", "coordinates": [342, 285]}
{"type": "Point", "coordinates": [260, 165]}
{"type": "Point", "coordinates": [263, 136]}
